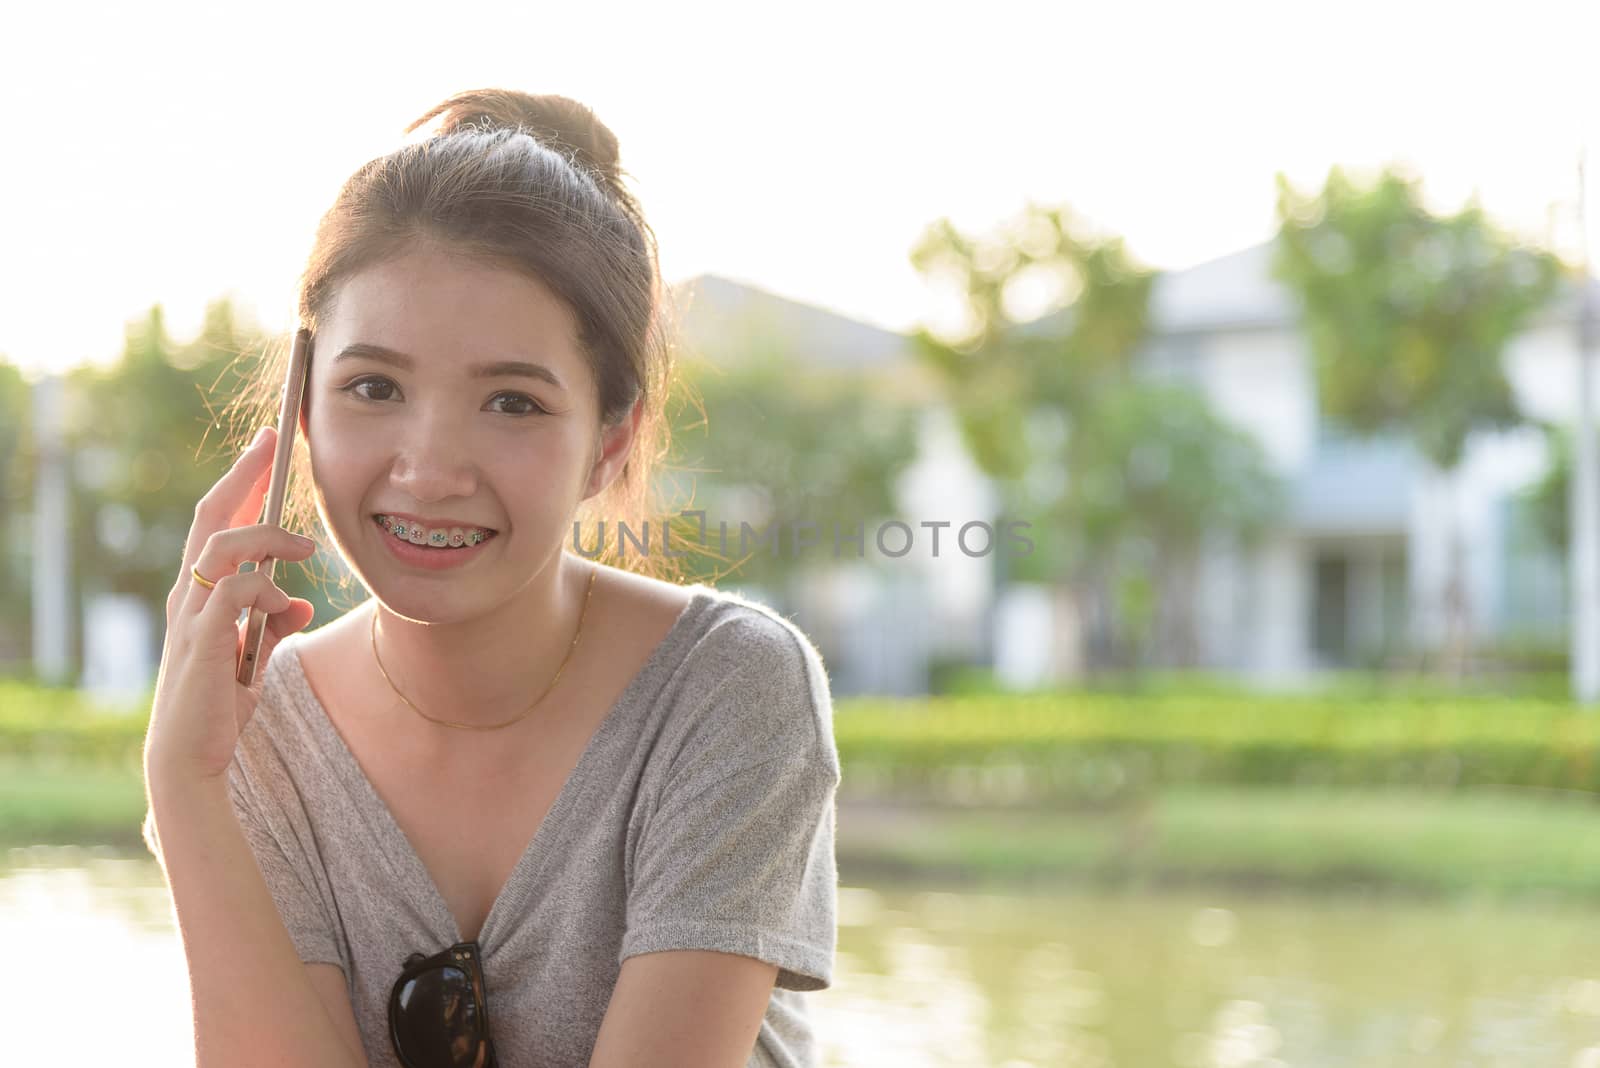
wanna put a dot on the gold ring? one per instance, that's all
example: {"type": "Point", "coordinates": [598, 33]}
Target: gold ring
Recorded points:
{"type": "Point", "coordinates": [207, 583]}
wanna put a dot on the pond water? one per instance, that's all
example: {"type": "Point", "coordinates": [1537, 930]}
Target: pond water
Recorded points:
{"type": "Point", "coordinates": [930, 976]}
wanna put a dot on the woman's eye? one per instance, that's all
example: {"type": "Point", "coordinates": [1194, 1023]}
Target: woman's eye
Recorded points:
{"type": "Point", "coordinates": [534, 408]}
{"type": "Point", "coordinates": [386, 388]}
{"type": "Point", "coordinates": [369, 380]}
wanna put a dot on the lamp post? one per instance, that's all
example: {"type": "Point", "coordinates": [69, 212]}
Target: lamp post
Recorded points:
{"type": "Point", "coordinates": [52, 562]}
{"type": "Point", "coordinates": [1585, 494]}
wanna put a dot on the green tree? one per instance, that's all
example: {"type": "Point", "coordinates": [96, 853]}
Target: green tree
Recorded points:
{"type": "Point", "coordinates": [132, 429]}
{"type": "Point", "coordinates": [17, 461]}
{"type": "Point", "coordinates": [1548, 498]}
{"type": "Point", "coordinates": [146, 445]}
{"type": "Point", "coordinates": [1407, 315]}
{"type": "Point", "coordinates": [776, 443]}
{"type": "Point", "coordinates": [1133, 471]}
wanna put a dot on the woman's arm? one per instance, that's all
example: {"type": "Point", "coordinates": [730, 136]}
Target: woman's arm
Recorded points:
{"type": "Point", "coordinates": [252, 1000]}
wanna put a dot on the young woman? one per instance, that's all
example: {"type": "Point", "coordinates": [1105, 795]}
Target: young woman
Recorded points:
{"type": "Point", "coordinates": [520, 806]}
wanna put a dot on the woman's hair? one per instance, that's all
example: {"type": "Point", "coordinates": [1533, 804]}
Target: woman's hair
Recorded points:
{"type": "Point", "coordinates": [531, 184]}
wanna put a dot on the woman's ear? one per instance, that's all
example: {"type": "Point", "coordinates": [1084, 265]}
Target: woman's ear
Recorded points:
{"type": "Point", "coordinates": [612, 451]}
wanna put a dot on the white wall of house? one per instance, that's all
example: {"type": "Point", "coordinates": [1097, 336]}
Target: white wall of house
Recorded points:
{"type": "Point", "coordinates": [1261, 381]}
{"type": "Point", "coordinates": [944, 484]}
{"type": "Point", "coordinates": [1229, 329]}
{"type": "Point", "coordinates": [1223, 614]}
{"type": "Point", "coordinates": [1276, 643]}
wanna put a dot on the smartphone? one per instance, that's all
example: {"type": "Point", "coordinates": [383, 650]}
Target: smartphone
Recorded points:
{"type": "Point", "coordinates": [294, 388]}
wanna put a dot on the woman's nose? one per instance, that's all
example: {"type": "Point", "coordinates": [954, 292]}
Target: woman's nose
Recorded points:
{"type": "Point", "coordinates": [434, 460]}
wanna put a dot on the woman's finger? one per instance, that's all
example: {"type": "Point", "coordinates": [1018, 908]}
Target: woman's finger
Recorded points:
{"type": "Point", "coordinates": [232, 495]}
{"type": "Point", "coordinates": [279, 626]}
{"type": "Point", "coordinates": [282, 624]}
{"type": "Point", "coordinates": [227, 550]}
{"type": "Point", "coordinates": [253, 469]}
{"type": "Point", "coordinates": [248, 511]}
{"type": "Point", "coordinates": [214, 630]}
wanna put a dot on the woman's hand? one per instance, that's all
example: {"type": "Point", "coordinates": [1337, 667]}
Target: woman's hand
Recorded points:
{"type": "Point", "coordinates": [200, 707]}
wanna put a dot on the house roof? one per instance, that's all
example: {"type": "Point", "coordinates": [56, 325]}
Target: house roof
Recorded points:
{"type": "Point", "coordinates": [1235, 291]}
{"type": "Point", "coordinates": [726, 322]}
{"type": "Point", "coordinates": [720, 316]}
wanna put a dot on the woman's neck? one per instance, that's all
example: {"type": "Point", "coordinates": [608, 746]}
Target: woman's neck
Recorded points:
{"type": "Point", "coordinates": [489, 669]}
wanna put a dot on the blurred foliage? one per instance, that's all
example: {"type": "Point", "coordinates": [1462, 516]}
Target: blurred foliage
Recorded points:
{"type": "Point", "coordinates": [1053, 748]}
{"type": "Point", "coordinates": [782, 442]}
{"type": "Point", "coordinates": [135, 429]}
{"type": "Point", "coordinates": [1408, 313]}
{"type": "Point", "coordinates": [1129, 473]}
{"type": "Point", "coordinates": [18, 457]}
{"type": "Point", "coordinates": [142, 452]}
{"type": "Point", "coordinates": [62, 723]}
{"type": "Point", "coordinates": [1549, 496]}
{"type": "Point", "coordinates": [1079, 746]}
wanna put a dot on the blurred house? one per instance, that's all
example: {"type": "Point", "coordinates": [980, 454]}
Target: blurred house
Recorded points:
{"type": "Point", "coordinates": [879, 622]}
{"type": "Point", "coordinates": [1354, 574]}
{"type": "Point", "coordinates": [1357, 570]}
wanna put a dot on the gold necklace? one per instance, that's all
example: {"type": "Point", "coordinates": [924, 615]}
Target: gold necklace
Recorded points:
{"type": "Point", "coordinates": [493, 726]}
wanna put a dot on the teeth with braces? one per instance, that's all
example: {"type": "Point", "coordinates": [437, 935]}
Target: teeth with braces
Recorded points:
{"type": "Point", "coordinates": [455, 537]}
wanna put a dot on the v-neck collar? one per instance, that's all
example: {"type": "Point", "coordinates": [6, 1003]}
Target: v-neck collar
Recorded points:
{"type": "Point", "coordinates": [525, 872]}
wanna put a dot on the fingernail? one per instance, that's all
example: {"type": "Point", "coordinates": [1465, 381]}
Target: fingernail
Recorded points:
{"type": "Point", "coordinates": [261, 432]}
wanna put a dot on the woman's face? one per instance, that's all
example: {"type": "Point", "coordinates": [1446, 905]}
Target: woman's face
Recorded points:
{"type": "Point", "coordinates": [429, 432]}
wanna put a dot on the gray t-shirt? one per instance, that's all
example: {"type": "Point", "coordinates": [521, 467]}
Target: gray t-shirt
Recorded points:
{"type": "Point", "coordinates": [700, 816]}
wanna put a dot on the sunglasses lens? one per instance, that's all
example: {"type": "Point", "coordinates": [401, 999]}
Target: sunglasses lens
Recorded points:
{"type": "Point", "coordinates": [436, 1020]}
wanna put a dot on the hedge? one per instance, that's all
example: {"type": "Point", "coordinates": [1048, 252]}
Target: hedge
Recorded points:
{"type": "Point", "coordinates": [1084, 747]}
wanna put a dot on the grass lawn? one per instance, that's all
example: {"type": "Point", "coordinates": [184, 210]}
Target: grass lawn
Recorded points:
{"type": "Point", "coordinates": [1497, 841]}
{"type": "Point", "coordinates": [70, 803]}
{"type": "Point", "coordinates": [1501, 842]}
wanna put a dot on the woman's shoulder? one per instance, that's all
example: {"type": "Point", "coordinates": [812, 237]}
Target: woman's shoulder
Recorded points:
{"type": "Point", "coordinates": [755, 674]}
{"type": "Point", "coordinates": [737, 631]}
{"type": "Point", "coordinates": [718, 625]}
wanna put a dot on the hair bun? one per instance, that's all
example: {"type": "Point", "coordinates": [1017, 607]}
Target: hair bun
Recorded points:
{"type": "Point", "coordinates": [548, 118]}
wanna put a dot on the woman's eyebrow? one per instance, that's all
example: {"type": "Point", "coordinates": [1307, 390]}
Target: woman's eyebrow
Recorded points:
{"type": "Point", "coordinates": [360, 350]}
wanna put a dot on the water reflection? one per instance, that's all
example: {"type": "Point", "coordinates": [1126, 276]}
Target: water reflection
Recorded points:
{"type": "Point", "coordinates": [939, 977]}
{"type": "Point", "coordinates": [96, 929]}
{"type": "Point", "coordinates": [1211, 980]}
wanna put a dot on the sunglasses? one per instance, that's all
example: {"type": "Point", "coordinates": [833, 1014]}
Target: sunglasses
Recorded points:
{"type": "Point", "coordinates": [439, 1011]}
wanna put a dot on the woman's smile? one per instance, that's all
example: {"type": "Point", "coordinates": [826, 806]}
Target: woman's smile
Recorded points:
{"type": "Point", "coordinates": [432, 557]}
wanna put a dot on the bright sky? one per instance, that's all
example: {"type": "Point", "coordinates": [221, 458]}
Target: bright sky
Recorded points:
{"type": "Point", "coordinates": [176, 152]}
